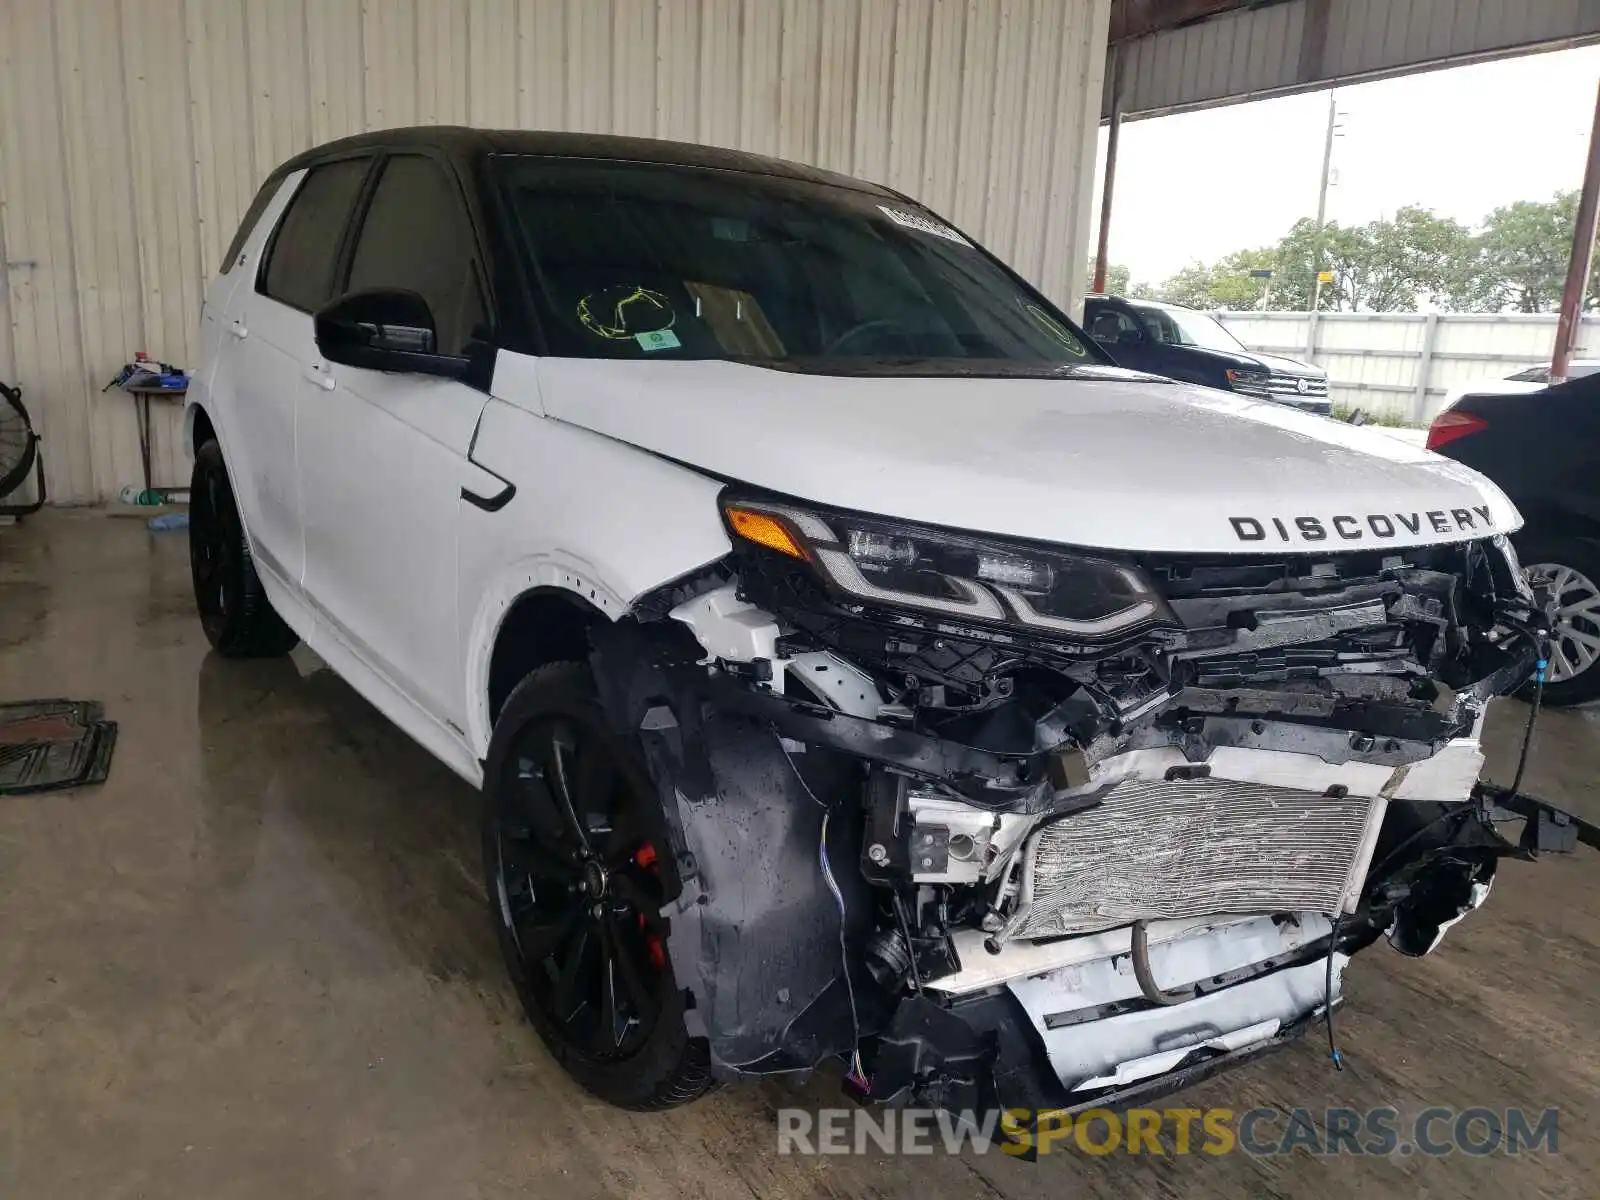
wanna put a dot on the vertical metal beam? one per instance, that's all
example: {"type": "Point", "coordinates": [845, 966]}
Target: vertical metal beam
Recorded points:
{"type": "Point", "coordinates": [1103, 251]}
{"type": "Point", "coordinates": [1313, 62]}
{"type": "Point", "coordinates": [1584, 231]}
{"type": "Point", "coordinates": [1430, 341]}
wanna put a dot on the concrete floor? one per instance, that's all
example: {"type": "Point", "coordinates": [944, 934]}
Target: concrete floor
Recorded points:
{"type": "Point", "coordinates": [255, 963]}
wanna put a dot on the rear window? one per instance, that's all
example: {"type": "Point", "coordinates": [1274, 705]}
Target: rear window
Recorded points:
{"type": "Point", "coordinates": [304, 253]}
{"type": "Point", "coordinates": [251, 216]}
{"type": "Point", "coordinates": [634, 261]}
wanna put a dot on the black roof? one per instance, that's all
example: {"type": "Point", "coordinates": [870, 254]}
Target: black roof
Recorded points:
{"type": "Point", "coordinates": [459, 139]}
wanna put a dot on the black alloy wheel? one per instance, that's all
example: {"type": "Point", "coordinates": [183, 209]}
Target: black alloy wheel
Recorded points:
{"type": "Point", "coordinates": [212, 557]}
{"type": "Point", "coordinates": [572, 846]}
{"type": "Point", "coordinates": [235, 613]}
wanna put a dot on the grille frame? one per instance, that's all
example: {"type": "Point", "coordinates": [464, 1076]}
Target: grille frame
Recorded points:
{"type": "Point", "coordinates": [1281, 383]}
{"type": "Point", "coordinates": [1173, 850]}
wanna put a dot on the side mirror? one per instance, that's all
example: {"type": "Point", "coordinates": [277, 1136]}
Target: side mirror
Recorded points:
{"type": "Point", "coordinates": [384, 329]}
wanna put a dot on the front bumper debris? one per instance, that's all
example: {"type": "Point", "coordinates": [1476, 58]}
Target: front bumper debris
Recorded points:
{"type": "Point", "coordinates": [942, 849]}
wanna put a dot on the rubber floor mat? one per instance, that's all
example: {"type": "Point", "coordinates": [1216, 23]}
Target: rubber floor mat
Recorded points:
{"type": "Point", "coordinates": [49, 744]}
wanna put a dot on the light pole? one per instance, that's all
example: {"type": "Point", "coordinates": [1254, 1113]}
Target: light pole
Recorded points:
{"type": "Point", "coordinates": [1322, 213]}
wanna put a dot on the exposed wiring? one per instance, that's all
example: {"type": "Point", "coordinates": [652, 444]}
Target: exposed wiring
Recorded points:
{"type": "Point", "coordinates": [911, 950]}
{"type": "Point", "coordinates": [1460, 810]}
{"type": "Point", "coordinates": [793, 766]}
{"type": "Point", "coordinates": [1327, 993]}
{"type": "Point", "coordinates": [856, 1074]}
{"type": "Point", "coordinates": [1533, 713]}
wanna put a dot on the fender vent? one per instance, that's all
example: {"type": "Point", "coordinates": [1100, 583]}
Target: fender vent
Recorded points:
{"type": "Point", "coordinates": [1158, 850]}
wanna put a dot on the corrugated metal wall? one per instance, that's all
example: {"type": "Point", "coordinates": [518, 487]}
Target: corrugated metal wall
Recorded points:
{"type": "Point", "coordinates": [1295, 45]}
{"type": "Point", "coordinates": [134, 132]}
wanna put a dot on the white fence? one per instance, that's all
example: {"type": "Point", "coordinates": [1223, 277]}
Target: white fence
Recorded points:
{"type": "Point", "coordinates": [1405, 363]}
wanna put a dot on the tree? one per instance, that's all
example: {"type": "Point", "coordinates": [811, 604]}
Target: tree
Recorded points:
{"type": "Point", "coordinates": [1232, 284]}
{"type": "Point", "coordinates": [1190, 286]}
{"type": "Point", "coordinates": [1297, 258]}
{"type": "Point", "coordinates": [1522, 256]}
{"type": "Point", "coordinates": [1517, 260]}
{"type": "Point", "coordinates": [1413, 257]}
{"type": "Point", "coordinates": [1118, 278]}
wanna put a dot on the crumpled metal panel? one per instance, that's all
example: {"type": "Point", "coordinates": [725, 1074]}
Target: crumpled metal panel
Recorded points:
{"type": "Point", "coordinates": [1156, 850]}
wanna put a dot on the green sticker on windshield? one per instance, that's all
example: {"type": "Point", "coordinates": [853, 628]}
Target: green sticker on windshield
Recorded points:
{"type": "Point", "coordinates": [1053, 327]}
{"type": "Point", "coordinates": [657, 339]}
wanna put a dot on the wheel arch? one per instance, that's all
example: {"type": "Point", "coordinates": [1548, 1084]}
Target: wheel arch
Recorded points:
{"type": "Point", "coordinates": [536, 612]}
{"type": "Point", "coordinates": [544, 624]}
{"type": "Point", "coordinates": [197, 428]}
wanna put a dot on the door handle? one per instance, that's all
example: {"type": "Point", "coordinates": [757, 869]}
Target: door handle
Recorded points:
{"type": "Point", "coordinates": [237, 328]}
{"type": "Point", "coordinates": [319, 374]}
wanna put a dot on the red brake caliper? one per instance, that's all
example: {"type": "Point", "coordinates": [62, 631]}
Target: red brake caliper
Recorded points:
{"type": "Point", "coordinates": [645, 858]}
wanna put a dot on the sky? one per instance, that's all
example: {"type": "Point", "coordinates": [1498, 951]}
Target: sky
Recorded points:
{"type": "Point", "coordinates": [1461, 142]}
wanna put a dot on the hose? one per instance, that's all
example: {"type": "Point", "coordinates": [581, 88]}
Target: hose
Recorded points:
{"type": "Point", "coordinates": [1141, 971]}
{"type": "Point", "coordinates": [1533, 713]}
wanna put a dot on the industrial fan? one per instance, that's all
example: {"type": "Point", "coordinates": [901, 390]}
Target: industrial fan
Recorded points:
{"type": "Point", "coordinates": [19, 452]}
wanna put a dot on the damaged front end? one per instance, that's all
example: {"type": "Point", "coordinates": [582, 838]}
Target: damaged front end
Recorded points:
{"type": "Point", "coordinates": [1009, 825]}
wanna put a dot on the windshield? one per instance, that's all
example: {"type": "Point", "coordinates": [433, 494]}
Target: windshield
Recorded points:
{"type": "Point", "coordinates": [648, 261]}
{"type": "Point", "coordinates": [1185, 327]}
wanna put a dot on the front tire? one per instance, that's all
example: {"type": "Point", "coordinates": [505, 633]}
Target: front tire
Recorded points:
{"type": "Point", "coordinates": [1570, 568]}
{"type": "Point", "coordinates": [234, 611]}
{"type": "Point", "coordinates": [572, 834]}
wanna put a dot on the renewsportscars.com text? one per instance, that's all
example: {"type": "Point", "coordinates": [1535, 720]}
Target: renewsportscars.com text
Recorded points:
{"type": "Point", "coordinates": [1260, 1132]}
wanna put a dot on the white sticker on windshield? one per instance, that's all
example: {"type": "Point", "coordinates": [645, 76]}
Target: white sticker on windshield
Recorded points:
{"type": "Point", "coordinates": [922, 224]}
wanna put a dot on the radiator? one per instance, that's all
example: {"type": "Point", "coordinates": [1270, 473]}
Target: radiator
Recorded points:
{"type": "Point", "coordinates": [1155, 850]}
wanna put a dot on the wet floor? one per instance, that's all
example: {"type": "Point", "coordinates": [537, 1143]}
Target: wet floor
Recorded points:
{"type": "Point", "coordinates": [255, 963]}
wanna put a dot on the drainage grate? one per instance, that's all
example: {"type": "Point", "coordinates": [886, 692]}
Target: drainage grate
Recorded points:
{"type": "Point", "coordinates": [50, 744]}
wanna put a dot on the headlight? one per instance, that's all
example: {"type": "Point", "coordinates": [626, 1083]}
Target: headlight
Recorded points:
{"type": "Point", "coordinates": [1251, 381]}
{"type": "Point", "coordinates": [870, 560]}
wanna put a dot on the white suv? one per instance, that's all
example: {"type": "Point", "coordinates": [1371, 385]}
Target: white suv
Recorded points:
{"type": "Point", "coordinates": [855, 666]}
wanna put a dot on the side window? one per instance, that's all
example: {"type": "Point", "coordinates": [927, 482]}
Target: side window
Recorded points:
{"type": "Point", "coordinates": [1109, 324]}
{"type": "Point", "coordinates": [416, 236]}
{"type": "Point", "coordinates": [304, 253]}
{"type": "Point", "coordinates": [264, 196]}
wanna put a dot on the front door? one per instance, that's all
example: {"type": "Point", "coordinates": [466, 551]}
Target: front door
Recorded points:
{"type": "Point", "coordinates": [383, 456]}
{"type": "Point", "coordinates": [1119, 332]}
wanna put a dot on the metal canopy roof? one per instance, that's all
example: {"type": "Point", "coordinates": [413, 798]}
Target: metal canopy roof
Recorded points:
{"type": "Point", "coordinates": [1176, 55]}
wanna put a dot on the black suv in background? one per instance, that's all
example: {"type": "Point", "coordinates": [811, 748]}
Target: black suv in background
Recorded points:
{"type": "Point", "coordinates": [1180, 343]}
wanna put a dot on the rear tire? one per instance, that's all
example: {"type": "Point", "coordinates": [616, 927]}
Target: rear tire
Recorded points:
{"type": "Point", "coordinates": [234, 611]}
{"type": "Point", "coordinates": [1571, 565]}
{"type": "Point", "coordinates": [572, 831]}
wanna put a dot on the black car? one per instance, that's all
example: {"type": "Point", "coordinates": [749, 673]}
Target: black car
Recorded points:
{"type": "Point", "coordinates": [1543, 449]}
{"type": "Point", "coordinates": [1180, 343]}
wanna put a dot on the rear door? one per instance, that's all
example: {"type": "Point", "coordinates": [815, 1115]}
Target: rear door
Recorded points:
{"type": "Point", "coordinates": [238, 264]}
{"type": "Point", "coordinates": [270, 327]}
{"type": "Point", "coordinates": [383, 455]}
